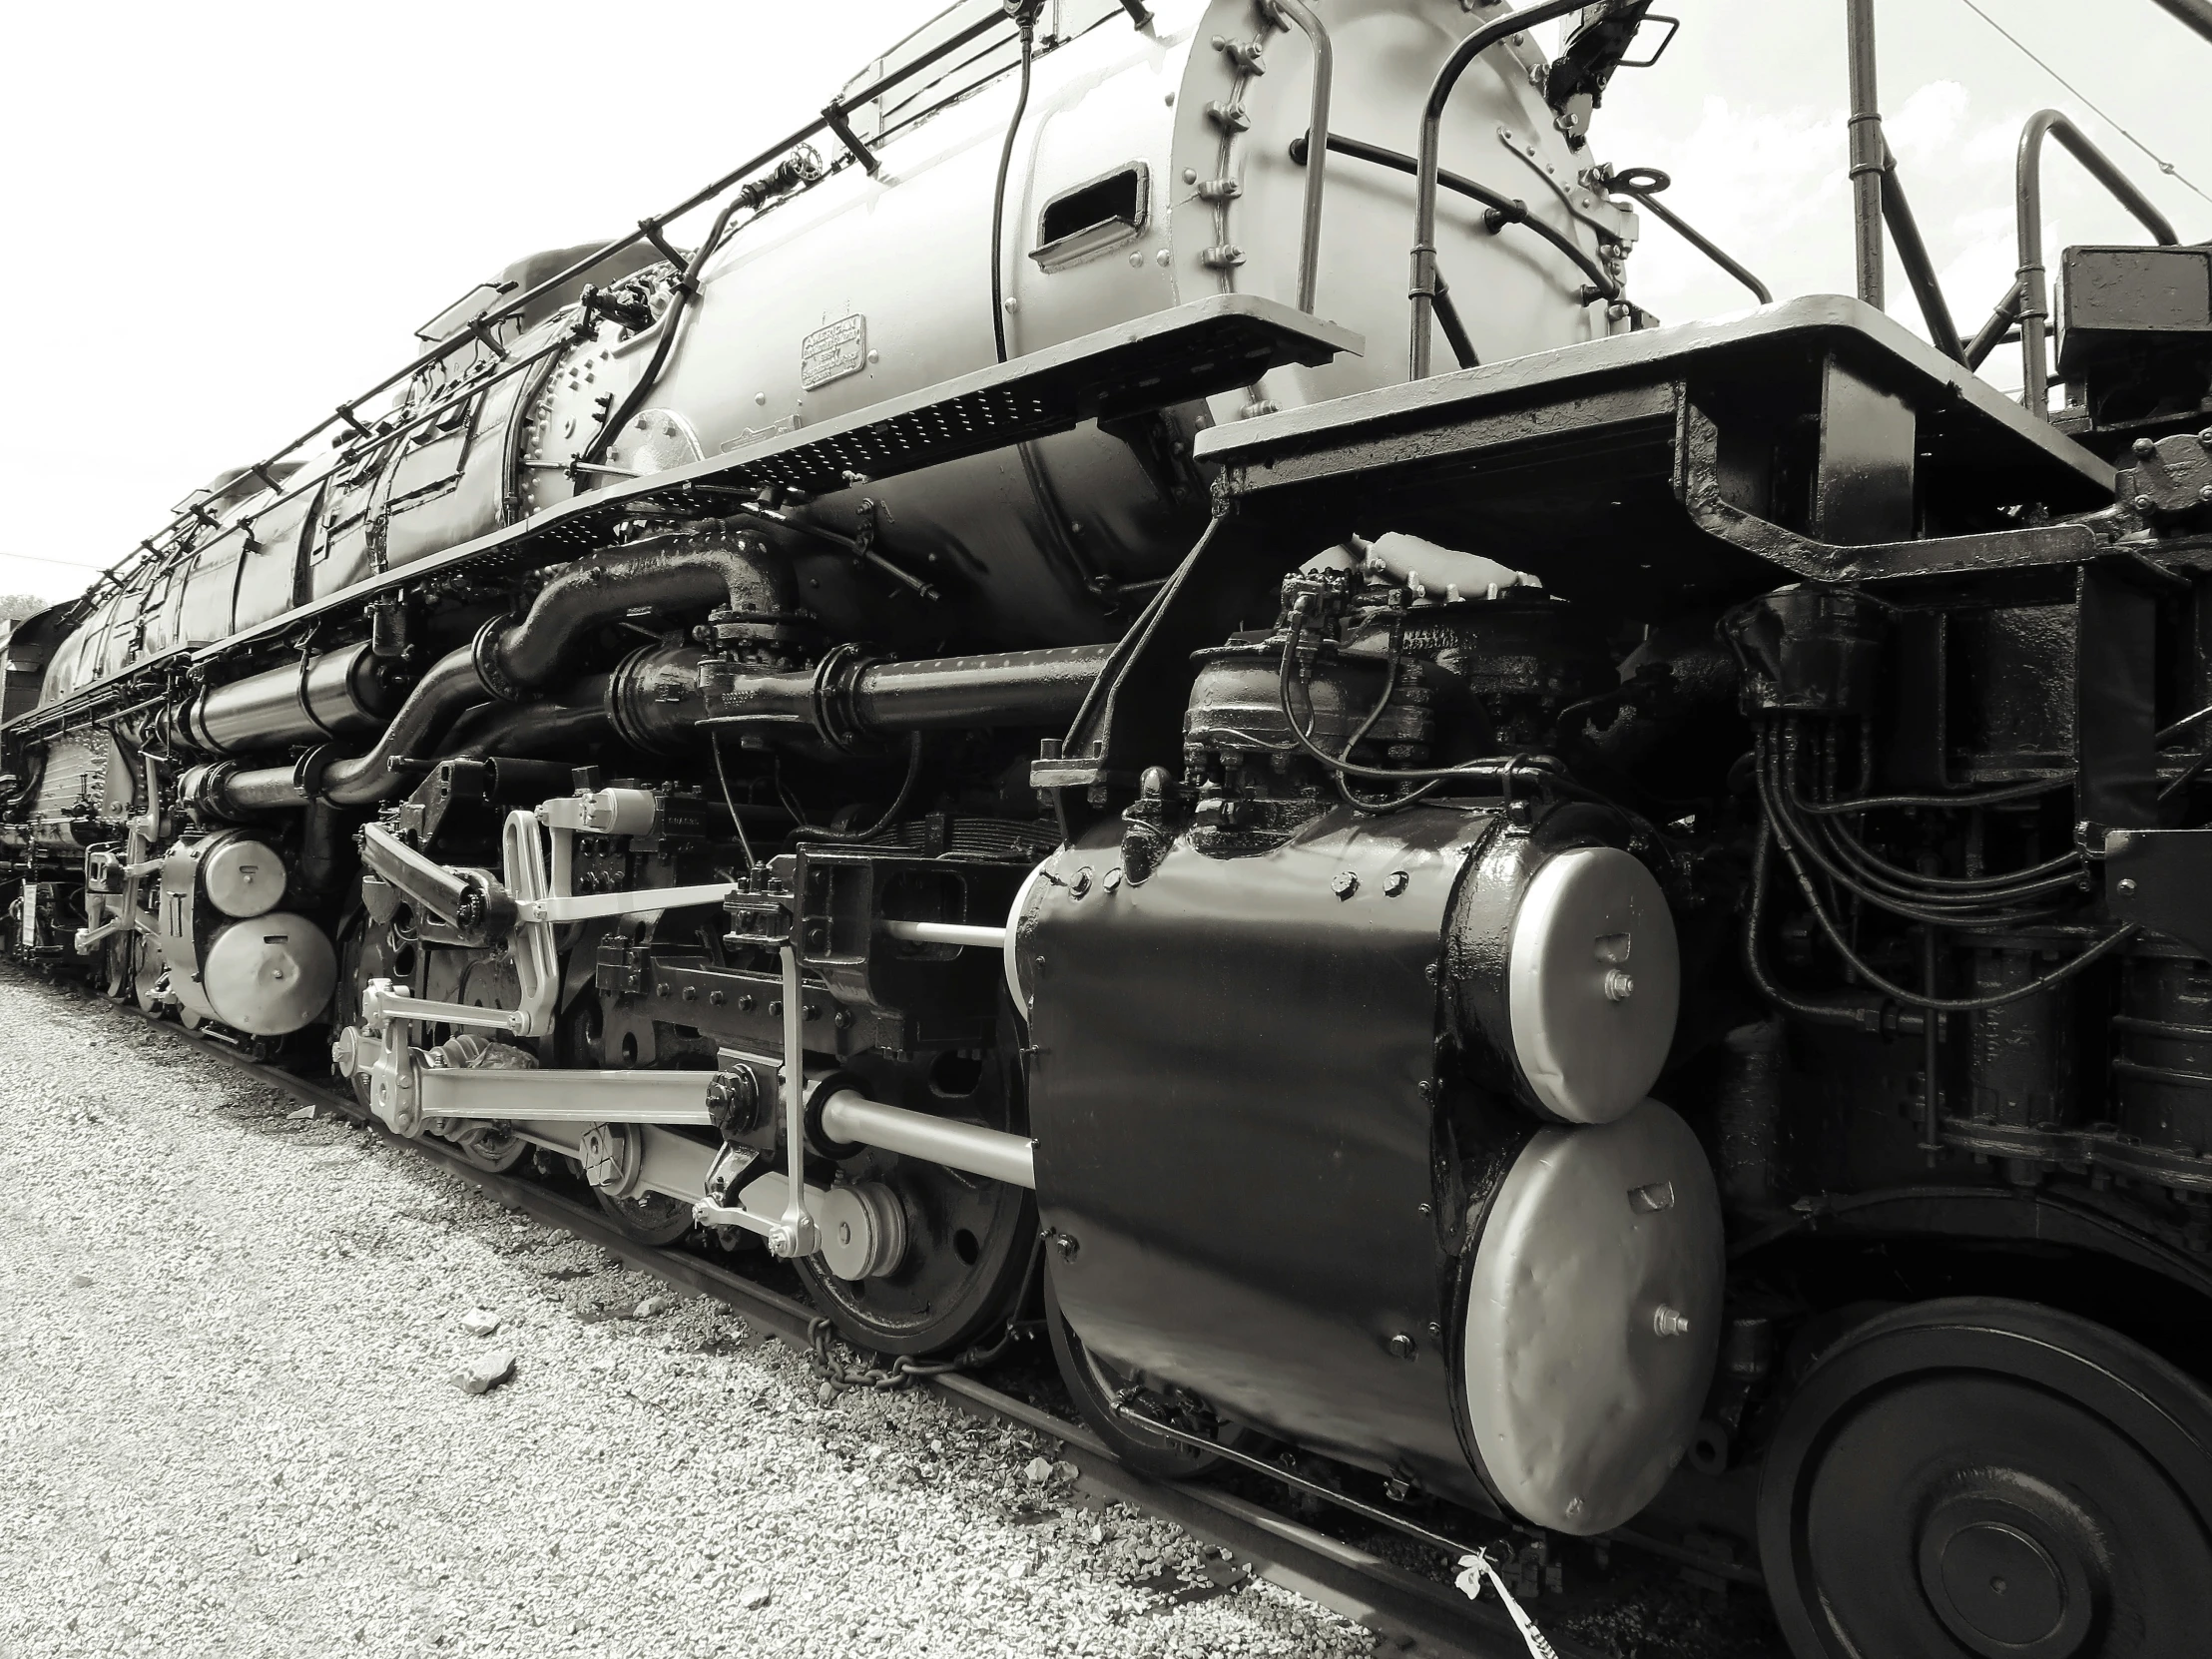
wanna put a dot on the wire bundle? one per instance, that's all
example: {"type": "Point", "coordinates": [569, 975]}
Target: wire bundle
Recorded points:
{"type": "Point", "coordinates": [1818, 835]}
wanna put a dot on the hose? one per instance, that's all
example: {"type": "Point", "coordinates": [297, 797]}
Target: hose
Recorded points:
{"type": "Point", "coordinates": [891, 813]}
{"type": "Point", "coordinates": [1027, 23]}
{"type": "Point", "coordinates": [1467, 771]}
{"type": "Point", "coordinates": [1949, 900]}
{"type": "Point", "coordinates": [1945, 1006]}
{"type": "Point", "coordinates": [744, 842]}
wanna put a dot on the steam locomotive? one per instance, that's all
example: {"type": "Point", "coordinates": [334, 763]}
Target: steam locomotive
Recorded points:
{"type": "Point", "coordinates": [1613, 937]}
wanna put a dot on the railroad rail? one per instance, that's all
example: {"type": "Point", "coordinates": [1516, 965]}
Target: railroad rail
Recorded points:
{"type": "Point", "coordinates": [1424, 1618]}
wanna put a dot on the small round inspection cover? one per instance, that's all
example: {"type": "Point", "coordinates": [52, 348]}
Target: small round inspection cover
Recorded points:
{"type": "Point", "coordinates": [1593, 1319]}
{"type": "Point", "coordinates": [268, 975]}
{"type": "Point", "coordinates": [244, 877]}
{"type": "Point", "coordinates": [1593, 980]}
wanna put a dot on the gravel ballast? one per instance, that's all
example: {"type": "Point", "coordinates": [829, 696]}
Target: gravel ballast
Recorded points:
{"type": "Point", "coordinates": [269, 1385]}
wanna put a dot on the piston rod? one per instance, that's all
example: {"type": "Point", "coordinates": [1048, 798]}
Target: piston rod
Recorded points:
{"type": "Point", "coordinates": [992, 1152]}
{"type": "Point", "coordinates": [947, 933]}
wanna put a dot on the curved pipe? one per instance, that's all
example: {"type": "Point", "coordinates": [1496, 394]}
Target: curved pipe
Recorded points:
{"type": "Point", "coordinates": [438, 699]}
{"type": "Point", "coordinates": [848, 699]}
{"type": "Point", "coordinates": [668, 577]}
{"type": "Point", "coordinates": [505, 665]}
{"type": "Point", "coordinates": [1422, 286]}
{"type": "Point", "coordinates": [2033, 287]}
{"type": "Point", "coordinates": [576, 715]}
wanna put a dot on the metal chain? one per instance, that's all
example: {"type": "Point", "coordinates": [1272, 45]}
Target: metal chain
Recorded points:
{"type": "Point", "coordinates": [823, 1361]}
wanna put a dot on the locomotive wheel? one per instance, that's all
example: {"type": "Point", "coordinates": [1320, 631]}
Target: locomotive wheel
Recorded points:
{"type": "Point", "coordinates": [967, 1256]}
{"type": "Point", "coordinates": [1095, 1385]}
{"type": "Point", "coordinates": [650, 1218]}
{"type": "Point", "coordinates": [1974, 1477]}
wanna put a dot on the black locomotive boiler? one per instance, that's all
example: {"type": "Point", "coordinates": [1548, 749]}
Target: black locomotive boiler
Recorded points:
{"type": "Point", "coordinates": [1618, 935]}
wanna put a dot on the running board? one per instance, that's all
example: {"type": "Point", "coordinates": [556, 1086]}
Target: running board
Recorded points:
{"type": "Point", "coordinates": [1149, 364]}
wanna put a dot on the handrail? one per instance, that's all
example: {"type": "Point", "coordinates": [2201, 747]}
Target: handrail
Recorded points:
{"type": "Point", "coordinates": [1868, 149]}
{"type": "Point", "coordinates": [2190, 14]}
{"type": "Point", "coordinates": [1993, 332]}
{"type": "Point", "coordinates": [1920, 269]}
{"type": "Point", "coordinates": [2034, 288]}
{"type": "Point", "coordinates": [649, 229]}
{"type": "Point", "coordinates": [1422, 286]}
{"type": "Point", "coordinates": [1643, 184]}
{"type": "Point", "coordinates": [1317, 128]}
{"type": "Point", "coordinates": [1500, 209]}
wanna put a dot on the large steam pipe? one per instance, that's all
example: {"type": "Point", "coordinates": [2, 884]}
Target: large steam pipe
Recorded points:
{"type": "Point", "coordinates": [655, 701]}
{"type": "Point", "coordinates": [1007, 688]}
{"type": "Point", "coordinates": [451, 685]}
{"type": "Point", "coordinates": [505, 664]}
{"type": "Point", "coordinates": [586, 596]}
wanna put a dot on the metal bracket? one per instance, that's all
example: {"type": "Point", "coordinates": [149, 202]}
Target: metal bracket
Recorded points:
{"type": "Point", "coordinates": [839, 123]}
{"type": "Point", "coordinates": [384, 1004]}
{"type": "Point", "coordinates": [795, 1233]}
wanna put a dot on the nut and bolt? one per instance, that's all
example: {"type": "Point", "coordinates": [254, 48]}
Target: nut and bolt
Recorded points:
{"type": "Point", "coordinates": [1620, 984]}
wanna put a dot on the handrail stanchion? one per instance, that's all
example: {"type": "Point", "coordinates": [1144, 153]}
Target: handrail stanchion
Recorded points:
{"type": "Point", "coordinates": [1868, 152]}
{"type": "Point", "coordinates": [1317, 133]}
{"type": "Point", "coordinates": [2033, 286]}
{"type": "Point", "coordinates": [1422, 286]}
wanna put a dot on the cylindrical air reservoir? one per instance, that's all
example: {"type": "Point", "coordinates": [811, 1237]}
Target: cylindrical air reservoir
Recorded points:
{"type": "Point", "coordinates": [326, 695]}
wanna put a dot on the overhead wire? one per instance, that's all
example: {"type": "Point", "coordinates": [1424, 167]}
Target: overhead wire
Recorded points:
{"type": "Point", "coordinates": [2164, 165]}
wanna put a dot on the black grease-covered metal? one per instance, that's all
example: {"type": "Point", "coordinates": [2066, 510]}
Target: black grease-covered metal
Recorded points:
{"type": "Point", "coordinates": [1809, 650]}
{"type": "Point", "coordinates": [2019, 1062]}
{"type": "Point", "coordinates": [1004, 688]}
{"type": "Point", "coordinates": [2162, 879]}
{"type": "Point", "coordinates": [1704, 437]}
{"type": "Point", "coordinates": [1232, 1084]}
{"type": "Point", "coordinates": [2163, 1072]}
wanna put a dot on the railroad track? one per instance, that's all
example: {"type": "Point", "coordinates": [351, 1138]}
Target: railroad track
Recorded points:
{"type": "Point", "coordinates": [1423, 1618]}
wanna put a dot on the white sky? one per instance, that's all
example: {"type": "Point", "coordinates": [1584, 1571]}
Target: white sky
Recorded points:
{"type": "Point", "coordinates": [227, 217]}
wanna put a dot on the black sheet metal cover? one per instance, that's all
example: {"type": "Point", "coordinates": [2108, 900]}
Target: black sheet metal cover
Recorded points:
{"type": "Point", "coordinates": [1231, 1094]}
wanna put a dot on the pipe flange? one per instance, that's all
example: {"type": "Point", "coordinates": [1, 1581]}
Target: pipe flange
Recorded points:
{"type": "Point", "coordinates": [309, 772]}
{"type": "Point", "coordinates": [620, 696]}
{"type": "Point", "coordinates": [483, 652]}
{"type": "Point", "coordinates": [199, 790]}
{"type": "Point", "coordinates": [837, 721]}
{"type": "Point", "coordinates": [818, 1096]}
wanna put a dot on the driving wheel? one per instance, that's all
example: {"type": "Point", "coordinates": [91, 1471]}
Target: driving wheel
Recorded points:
{"type": "Point", "coordinates": [1098, 1386]}
{"type": "Point", "coordinates": [1976, 1478]}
